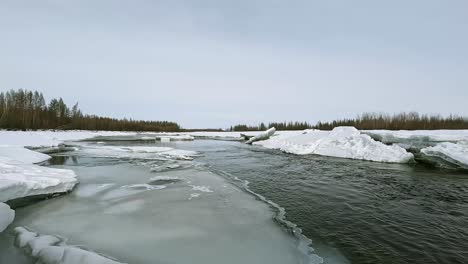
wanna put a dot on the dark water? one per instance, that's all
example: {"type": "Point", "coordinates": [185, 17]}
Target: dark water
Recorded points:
{"type": "Point", "coordinates": [371, 212]}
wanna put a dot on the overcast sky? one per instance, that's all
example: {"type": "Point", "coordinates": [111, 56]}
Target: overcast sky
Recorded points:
{"type": "Point", "coordinates": [213, 63]}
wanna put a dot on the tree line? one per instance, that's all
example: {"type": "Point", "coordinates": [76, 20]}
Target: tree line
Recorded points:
{"type": "Point", "coordinates": [369, 121]}
{"type": "Point", "coordinates": [401, 121]}
{"type": "Point", "coordinates": [277, 125]}
{"type": "Point", "coordinates": [24, 109]}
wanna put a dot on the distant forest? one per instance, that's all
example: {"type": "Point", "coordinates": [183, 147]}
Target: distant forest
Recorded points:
{"type": "Point", "coordinates": [23, 109]}
{"type": "Point", "coordinates": [401, 121]}
{"type": "Point", "coordinates": [369, 121]}
{"type": "Point", "coordinates": [277, 125]}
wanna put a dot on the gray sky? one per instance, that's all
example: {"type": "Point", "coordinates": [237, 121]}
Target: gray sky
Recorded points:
{"type": "Point", "coordinates": [213, 63]}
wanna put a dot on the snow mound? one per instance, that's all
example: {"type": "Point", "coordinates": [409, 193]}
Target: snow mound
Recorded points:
{"type": "Point", "coordinates": [453, 153]}
{"type": "Point", "coordinates": [341, 142]}
{"type": "Point", "coordinates": [19, 179]}
{"type": "Point", "coordinates": [46, 249]}
{"type": "Point", "coordinates": [6, 216]}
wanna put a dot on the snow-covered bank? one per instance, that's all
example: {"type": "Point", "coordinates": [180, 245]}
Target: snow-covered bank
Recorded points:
{"type": "Point", "coordinates": [341, 142]}
{"type": "Point", "coordinates": [6, 216]}
{"type": "Point", "coordinates": [46, 249]}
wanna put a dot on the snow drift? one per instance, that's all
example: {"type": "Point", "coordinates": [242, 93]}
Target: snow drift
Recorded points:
{"type": "Point", "coordinates": [341, 142]}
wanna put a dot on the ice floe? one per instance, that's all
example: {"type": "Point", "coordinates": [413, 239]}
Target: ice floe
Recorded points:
{"type": "Point", "coordinates": [408, 136]}
{"type": "Point", "coordinates": [47, 249]}
{"type": "Point", "coordinates": [137, 152]}
{"type": "Point", "coordinates": [262, 136]}
{"type": "Point", "coordinates": [341, 142]}
{"type": "Point", "coordinates": [452, 154]}
{"type": "Point", "coordinates": [51, 138]}
{"type": "Point", "coordinates": [6, 216]}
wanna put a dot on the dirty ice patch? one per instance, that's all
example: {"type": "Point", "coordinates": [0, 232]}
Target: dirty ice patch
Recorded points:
{"type": "Point", "coordinates": [341, 142]}
{"type": "Point", "coordinates": [18, 179]}
{"type": "Point", "coordinates": [47, 249]}
{"type": "Point", "coordinates": [201, 188]}
{"type": "Point", "coordinates": [6, 216]}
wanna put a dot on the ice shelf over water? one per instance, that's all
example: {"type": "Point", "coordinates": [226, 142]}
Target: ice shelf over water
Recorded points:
{"type": "Point", "coordinates": [341, 142]}
{"type": "Point", "coordinates": [455, 154]}
{"type": "Point", "coordinates": [19, 179]}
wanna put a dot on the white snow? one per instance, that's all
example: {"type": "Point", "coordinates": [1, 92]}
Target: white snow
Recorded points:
{"type": "Point", "coordinates": [402, 136]}
{"type": "Point", "coordinates": [201, 188]}
{"type": "Point", "coordinates": [341, 142]}
{"type": "Point", "coordinates": [455, 153]}
{"type": "Point", "coordinates": [137, 152]}
{"type": "Point", "coordinates": [50, 138]}
{"type": "Point", "coordinates": [6, 216]}
{"type": "Point", "coordinates": [22, 154]}
{"type": "Point", "coordinates": [46, 249]}
{"type": "Point", "coordinates": [19, 179]}
{"type": "Point", "coordinates": [262, 136]}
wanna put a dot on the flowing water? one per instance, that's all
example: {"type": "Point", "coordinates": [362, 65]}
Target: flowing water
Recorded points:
{"type": "Point", "coordinates": [226, 206]}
